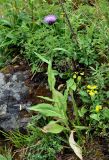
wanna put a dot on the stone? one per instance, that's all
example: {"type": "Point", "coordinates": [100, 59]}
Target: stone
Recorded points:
{"type": "Point", "coordinates": [9, 122]}
{"type": "Point", "coordinates": [3, 109]}
{"type": "Point", "coordinates": [2, 79]}
{"type": "Point", "coordinates": [13, 94]}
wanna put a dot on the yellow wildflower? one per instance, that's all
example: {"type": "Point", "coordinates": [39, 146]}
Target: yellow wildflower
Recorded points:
{"type": "Point", "coordinates": [91, 86]}
{"type": "Point", "coordinates": [98, 108]}
{"type": "Point", "coordinates": [94, 87]}
{"type": "Point", "coordinates": [91, 93]}
{"type": "Point", "coordinates": [88, 90]}
{"type": "Point", "coordinates": [91, 89]}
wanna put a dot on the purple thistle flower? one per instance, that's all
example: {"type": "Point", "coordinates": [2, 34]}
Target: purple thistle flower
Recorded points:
{"type": "Point", "coordinates": [50, 19]}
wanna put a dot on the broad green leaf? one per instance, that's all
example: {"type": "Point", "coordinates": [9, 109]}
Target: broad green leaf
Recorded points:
{"type": "Point", "coordinates": [95, 117]}
{"type": "Point", "coordinates": [82, 111]}
{"type": "Point", "coordinates": [53, 127]}
{"type": "Point", "coordinates": [76, 148]}
{"type": "Point", "coordinates": [46, 109]}
{"type": "Point", "coordinates": [106, 113]}
{"type": "Point", "coordinates": [60, 101]}
{"type": "Point", "coordinates": [83, 93]}
{"type": "Point", "coordinates": [71, 84]}
{"type": "Point", "coordinates": [55, 72]}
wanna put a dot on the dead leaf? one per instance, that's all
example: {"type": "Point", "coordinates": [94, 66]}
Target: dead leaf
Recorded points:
{"type": "Point", "coordinates": [60, 86]}
{"type": "Point", "coordinates": [76, 148]}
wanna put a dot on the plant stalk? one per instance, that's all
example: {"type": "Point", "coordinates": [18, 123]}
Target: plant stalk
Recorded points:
{"type": "Point", "coordinates": [75, 108]}
{"type": "Point", "coordinates": [74, 36]}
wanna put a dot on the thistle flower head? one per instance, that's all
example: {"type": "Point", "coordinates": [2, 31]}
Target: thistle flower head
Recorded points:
{"type": "Point", "coordinates": [50, 19]}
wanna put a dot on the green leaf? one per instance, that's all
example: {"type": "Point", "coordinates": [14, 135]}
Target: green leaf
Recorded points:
{"type": "Point", "coordinates": [53, 127]}
{"type": "Point", "coordinates": [51, 77]}
{"type": "Point", "coordinates": [60, 101]}
{"type": "Point", "coordinates": [106, 113]}
{"type": "Point", "coordinates": [42, 58]}
{"type": "Point", "coordinates": [81, 127]}
{"type": "Point", "coordinates": [71, 84]}
{"type": "Point", "coordinates": [83, 93]}
{"type": "Point", "coordinates": [82, 111]}
{"type": "Point", "coordinates": [31, 1]}
{"type": "Point", "coordinates": [95, 117]}
{"type": "Point", "coordinates": [2, 157]}
{"type": "Point", "coordinates": [5, 22]}
{"type": "Point", "coordinates": [61, 49]}
{"type": "Point", "coordinates": [107, 93]}
{"type": "Point", "coordinates": [47, 110]}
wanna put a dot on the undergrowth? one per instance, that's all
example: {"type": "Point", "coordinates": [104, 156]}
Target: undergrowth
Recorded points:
{"type": "Point", "coordinates": [77, 44]}
{"type": "Point", "coordinates": [23, 31]}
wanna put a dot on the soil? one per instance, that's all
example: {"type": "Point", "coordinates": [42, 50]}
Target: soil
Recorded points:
{"type": "Point", "coordinates": [95, 149]}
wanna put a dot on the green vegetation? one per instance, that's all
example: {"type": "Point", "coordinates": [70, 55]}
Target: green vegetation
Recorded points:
{"type": "Point", "coordinates": [36, 144]}
{"type": "Point", "coordinates": [75, 48]}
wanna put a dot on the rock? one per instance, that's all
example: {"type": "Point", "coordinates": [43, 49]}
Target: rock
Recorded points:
{"type": "Point", "coordinates": [13, 98]}
{"type": "Point", "coordinates": [9, 122]}
{"type": "Point", "coordinates": [3, 109]}
{"type": "Point", "coordinates": [2, 79]}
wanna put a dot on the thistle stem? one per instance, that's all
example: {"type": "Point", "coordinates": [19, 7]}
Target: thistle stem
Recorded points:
{"type": "Point", "coordinates": [75, 108]}
{"type": "Point", "coordinates": [74, 36]}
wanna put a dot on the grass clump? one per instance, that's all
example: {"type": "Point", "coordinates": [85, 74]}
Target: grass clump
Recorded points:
{"type": "Point", "coordinates": [35, 144]}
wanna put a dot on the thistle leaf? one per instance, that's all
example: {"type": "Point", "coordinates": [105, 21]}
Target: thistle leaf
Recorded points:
{"type": "Point", "coordinates": [60, 101]}
{"type": "Point", "coordinates": [47, 110]}
{"type": "Point", "coordinates": [53, 127]}
{"type": "Point", "coordinates": [71, 84]}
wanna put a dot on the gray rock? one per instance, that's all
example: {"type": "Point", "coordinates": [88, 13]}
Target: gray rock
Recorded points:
{"type": "Point", "coordinates": [2, 79]}
{"type": "Point", "coordinates": [13, 95]}
{"type": "Point", "coordinates": [3, 109]}
{"type": "Point", "coordinates": [9, 122]}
